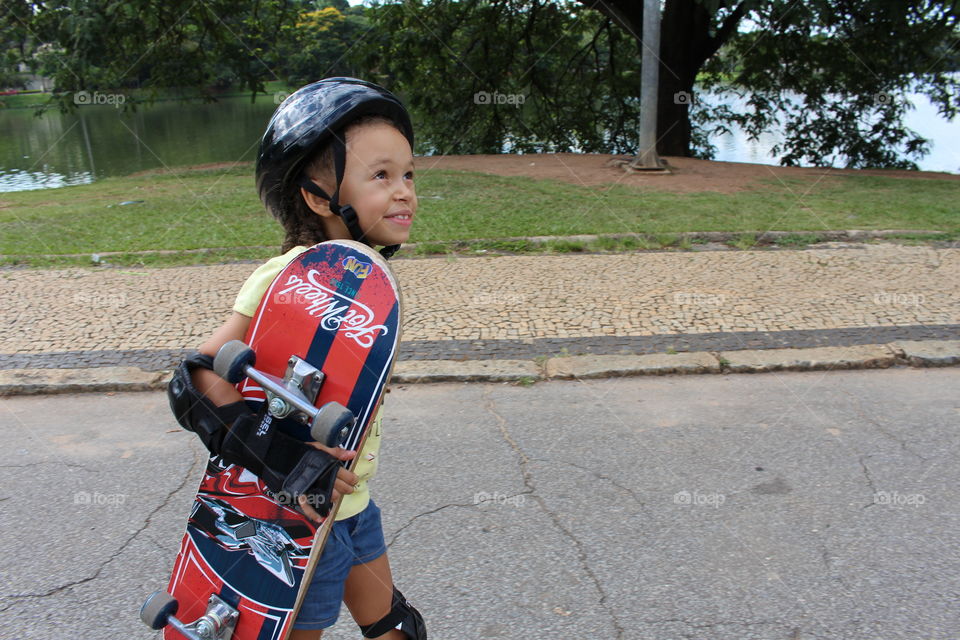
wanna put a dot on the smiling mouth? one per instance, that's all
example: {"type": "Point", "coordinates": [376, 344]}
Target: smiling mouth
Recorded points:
{"type": "Point", "coordinates": [407, 216]}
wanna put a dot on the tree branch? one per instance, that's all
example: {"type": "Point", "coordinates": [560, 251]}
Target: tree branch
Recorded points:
{"type": "Point", "coordinates": [730, 24]}
{"type": "Point", "coordinates": [609, 9]}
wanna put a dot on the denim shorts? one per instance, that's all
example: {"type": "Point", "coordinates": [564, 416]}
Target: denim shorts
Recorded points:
{"type": "Point", "coordinates": [353, 541]}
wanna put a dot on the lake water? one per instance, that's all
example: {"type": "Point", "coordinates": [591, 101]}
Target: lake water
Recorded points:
{"type": "Point", "coordinates": [58, 150]}
{"type": "Point", "coordinates": [944, 137]}
{"type": "Point", "coordinates": [98, 141]}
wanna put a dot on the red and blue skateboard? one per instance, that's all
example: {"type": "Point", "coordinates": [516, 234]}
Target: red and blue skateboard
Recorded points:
{"type": "Point", "coordinates": [319, 352]}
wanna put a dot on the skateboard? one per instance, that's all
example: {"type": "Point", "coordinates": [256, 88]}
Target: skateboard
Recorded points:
{"type": "Point", "coordinates": [319, 352]}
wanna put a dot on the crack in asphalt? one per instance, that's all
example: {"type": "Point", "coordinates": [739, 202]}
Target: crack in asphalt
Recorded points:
{"type": "Point", "coordinates": [599, 476]}
{"type": "Point", "coordinates": [190, 475]}
{"type": "Point", "coordinates": [467, 505]}
{"type": "Point", "coordinates": [528, 482]}
{"type": "Point", "coordinates": [396, 534]}
{"type": "Point", "coordinates": [870, 482]}
{"type": "Point", "coordinates": [858, 409]}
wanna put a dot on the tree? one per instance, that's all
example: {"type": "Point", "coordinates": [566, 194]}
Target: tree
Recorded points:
{"type": "Point", "coordinates": [487, 76]}
{"type": "Point", "coordinates": [691, 33]}
{"type": "Point", "coordinates": [833, 74]}
{"type": "Point", "coordinates": [317, 46]}
{"type": "Point", "coordinates": [197, 48]}
{"type": "Point", "coordinates": [535, 75]}
{"type": "Point", "coordinates": [838, 71]}
{"type": "Point", "coordinates": [15, 44]}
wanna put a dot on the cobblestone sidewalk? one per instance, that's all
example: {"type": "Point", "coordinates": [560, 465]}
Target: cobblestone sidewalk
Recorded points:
{"type": "Point", "coordinates": [518, 308]}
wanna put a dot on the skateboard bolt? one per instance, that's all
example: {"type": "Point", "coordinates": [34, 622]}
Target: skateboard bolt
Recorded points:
{"type": "Point", "coordinates": [206, 628]}
{"type": "Point", "coordinates": [278, 407]}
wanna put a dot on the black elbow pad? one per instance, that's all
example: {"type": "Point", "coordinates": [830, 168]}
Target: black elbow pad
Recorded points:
{"type": "Point", "coordinates": [194, 411]}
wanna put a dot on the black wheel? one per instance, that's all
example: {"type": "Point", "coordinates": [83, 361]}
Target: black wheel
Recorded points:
{"type": "Point", "coordinates": [157, 609]}
{"type": "Point", "coordinates": [231, 360]}
{"type": "Point", "coordinates": [332, 425]}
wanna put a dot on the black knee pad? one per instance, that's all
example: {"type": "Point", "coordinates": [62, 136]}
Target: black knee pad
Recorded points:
{"type": "Point", "coordinates": [402, 616]}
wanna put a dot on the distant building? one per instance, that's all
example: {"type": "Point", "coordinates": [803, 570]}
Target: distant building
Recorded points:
{"type": "Point", "coordinates": [34, 82]}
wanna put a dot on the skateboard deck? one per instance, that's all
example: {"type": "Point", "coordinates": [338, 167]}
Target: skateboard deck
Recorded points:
{"type": "Point", "coordinates": [336, 306]}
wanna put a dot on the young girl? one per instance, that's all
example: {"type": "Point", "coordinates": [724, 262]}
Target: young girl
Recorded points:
{"type": "Point", "coordinates": [336, 162]}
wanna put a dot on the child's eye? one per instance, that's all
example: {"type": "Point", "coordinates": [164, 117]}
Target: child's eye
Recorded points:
{"type": "Point", "coordinates": [380, 174]}
{"type": "Point", "coordinates": [408, 175]}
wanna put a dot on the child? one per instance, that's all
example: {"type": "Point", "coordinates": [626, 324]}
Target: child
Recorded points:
{"type": "Point", "coordinates": [336, 162]}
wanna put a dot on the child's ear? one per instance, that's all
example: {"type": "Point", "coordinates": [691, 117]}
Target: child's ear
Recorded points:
{"type": "Point", "coordinates": [317, 204]}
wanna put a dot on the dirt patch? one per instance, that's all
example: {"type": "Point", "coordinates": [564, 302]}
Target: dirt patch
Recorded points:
{"type": "Point", "coordinates": [686, 174]}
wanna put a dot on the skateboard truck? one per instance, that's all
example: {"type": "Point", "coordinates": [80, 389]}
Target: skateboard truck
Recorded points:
{"type": "Point", "coordinates": [293, 395]}
{"type": "Point", "coordinates": [217, 623]}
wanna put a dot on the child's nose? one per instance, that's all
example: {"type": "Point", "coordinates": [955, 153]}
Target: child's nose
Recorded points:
{"type": "Point", "coordinates": [404, 191]}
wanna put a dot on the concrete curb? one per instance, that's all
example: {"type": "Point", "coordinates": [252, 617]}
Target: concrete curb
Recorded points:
{"type": "Point", "coordinates": [23, 382]}
{"type": "Point", "coordinates": [723, 237]}
{"type": "Point", "coordinates": [865, 356]}
{"type": "Point", "coordinates": [919, 354]}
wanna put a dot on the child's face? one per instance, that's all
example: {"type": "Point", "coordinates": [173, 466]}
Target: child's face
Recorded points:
{"type": "Point", "coordinates": [378, 183]}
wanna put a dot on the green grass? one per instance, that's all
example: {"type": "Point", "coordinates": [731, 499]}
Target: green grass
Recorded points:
{"type": "Point", "coordinates": [195, 209]}
{"type": "Point", "coordinates": [432, 248]}
{"type": "Point", "coordinates": [22, 100]}
{"type": "Point", "coordinates": [794, 240]}
{"type": "Point", "coordinates": [746, 241]}
{"type": "Point", "coordinates": [565, 246]}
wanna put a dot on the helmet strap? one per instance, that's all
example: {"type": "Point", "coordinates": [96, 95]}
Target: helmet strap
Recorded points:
{"type": "Point", "coordinates": [346, 212]}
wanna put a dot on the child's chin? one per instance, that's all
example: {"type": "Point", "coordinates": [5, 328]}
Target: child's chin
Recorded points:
{"type": "Point", "coordinates": [397, 238]}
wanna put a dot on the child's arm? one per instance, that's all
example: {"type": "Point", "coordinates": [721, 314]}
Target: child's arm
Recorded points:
{"type": "Point", "coordinates": [220, 392]}
{"type": "Point", "coordinates": [206, 381]}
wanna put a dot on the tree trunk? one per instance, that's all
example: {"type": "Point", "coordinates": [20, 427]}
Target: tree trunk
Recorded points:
{"type": "Point", "coordinates": [688, 45]}
{"type": "Point", "coordinates": [685, 45]}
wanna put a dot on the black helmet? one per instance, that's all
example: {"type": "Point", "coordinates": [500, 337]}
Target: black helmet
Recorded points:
{"type": "Point", "coordinates": [309, 118]}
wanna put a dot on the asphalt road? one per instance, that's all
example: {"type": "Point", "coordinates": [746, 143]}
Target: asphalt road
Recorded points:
{"type": "Point", "coordinates": [773, 506]}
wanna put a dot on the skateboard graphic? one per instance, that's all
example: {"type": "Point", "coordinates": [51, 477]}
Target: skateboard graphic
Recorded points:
{"type": "Point", "coordinates": [319, 351]}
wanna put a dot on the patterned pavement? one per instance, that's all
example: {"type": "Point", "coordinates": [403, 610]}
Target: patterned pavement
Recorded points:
{"type": "Point", "coordinates": [517, 306]}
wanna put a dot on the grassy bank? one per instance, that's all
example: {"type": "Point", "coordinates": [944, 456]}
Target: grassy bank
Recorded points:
{"type": "Point", "coordinates": [187, 210]}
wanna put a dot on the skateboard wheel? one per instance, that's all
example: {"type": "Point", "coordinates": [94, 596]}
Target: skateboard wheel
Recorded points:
{"type": "Point", "coordinates": [157, 609]}
{"type": "Point", "coordinates": [332, 425]}
{"type": "Point", "coordinates": [231, 360]}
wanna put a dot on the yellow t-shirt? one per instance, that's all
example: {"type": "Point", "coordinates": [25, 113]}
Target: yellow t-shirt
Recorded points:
{"type": "Point", "coordinates": [246, 303]}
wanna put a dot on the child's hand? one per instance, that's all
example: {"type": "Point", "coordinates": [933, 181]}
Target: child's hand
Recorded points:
{"type": "Point", "coordinates": [345, 483]}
